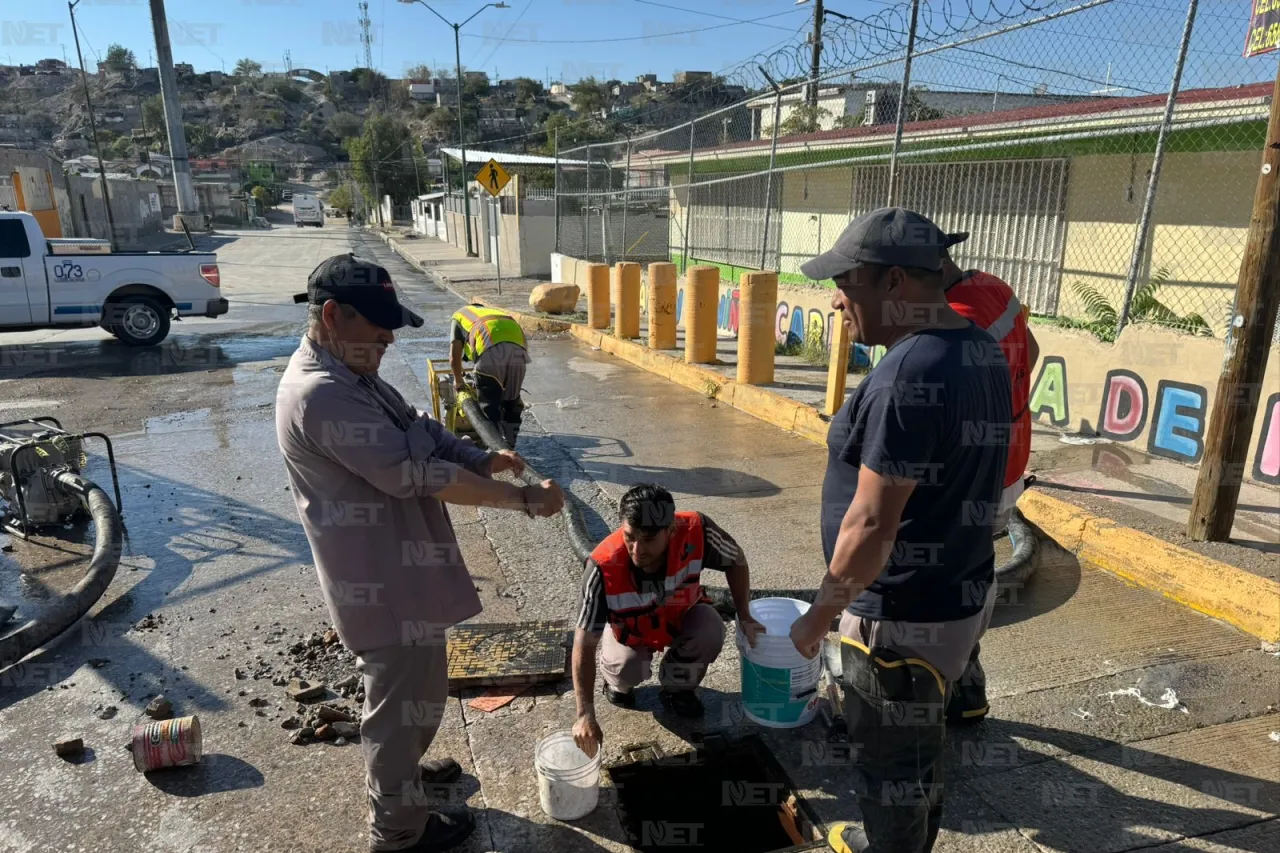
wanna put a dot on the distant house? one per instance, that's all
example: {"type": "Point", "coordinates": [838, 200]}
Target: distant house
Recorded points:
{"type": "Point", "coordinates": [424, 91]}
{"type": "Point", "coordinates": [184, 69]}
{"type": "Point", "coordinates": [686, 77]}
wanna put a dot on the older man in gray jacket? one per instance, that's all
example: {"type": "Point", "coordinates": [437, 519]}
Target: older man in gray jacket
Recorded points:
{"type": "Point", "coordinates": [371, 476]}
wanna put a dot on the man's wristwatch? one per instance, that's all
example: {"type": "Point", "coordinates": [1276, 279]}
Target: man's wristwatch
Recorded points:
{"type": "Point", "coordinates": [524, 496]}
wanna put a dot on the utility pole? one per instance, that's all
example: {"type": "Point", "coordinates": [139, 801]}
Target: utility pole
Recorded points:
{"type": "Point", "coordinates": [188, 206]}
{"type": "Point", "coordinates": [816, 62]}
{"type": "Point", "coordinates": [1249, 335]}
{"type": "Point", "coordinates": [93, 130]}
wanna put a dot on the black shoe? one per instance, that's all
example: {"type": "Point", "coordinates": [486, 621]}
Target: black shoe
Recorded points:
{"type": "Point", "coordinates": [617, 697]}
{"type": "Point", "coordinates": [684, 703]}
{"type": "Point", "coordinates": [446, 829]}
{"type": "Point", "coordinates": [440, 772]}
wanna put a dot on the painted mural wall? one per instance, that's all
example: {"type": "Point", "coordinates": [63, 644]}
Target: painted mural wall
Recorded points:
{"type": "Point", "coordinates": [1152, 389]}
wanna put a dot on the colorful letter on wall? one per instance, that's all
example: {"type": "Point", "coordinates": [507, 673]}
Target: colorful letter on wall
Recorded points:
{"type": "Point", "coordinates": [781, 322]}
{"type": "Point", "coordinates": [797, 323]}
{"type": "Point", "coordinates": [1050, 392]}
{"type": "Point", "coordinates": [1178, 432]}
{"type": "Point", "coordinates": [1124, 406]}
{"type": "Point", "coordinates": [1266, 465]}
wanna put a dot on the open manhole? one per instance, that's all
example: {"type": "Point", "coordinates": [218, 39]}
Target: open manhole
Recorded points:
{"type": "Point", "coordinates": [727, 795]}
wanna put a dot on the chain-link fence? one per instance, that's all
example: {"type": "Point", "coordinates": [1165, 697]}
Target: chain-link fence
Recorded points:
{"type": "Point", "coordinates": [1050, 137]}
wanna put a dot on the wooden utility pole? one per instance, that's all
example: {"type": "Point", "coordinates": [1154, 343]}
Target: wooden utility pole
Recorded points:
{"type": "Point", "coordinates": [1249, 335]}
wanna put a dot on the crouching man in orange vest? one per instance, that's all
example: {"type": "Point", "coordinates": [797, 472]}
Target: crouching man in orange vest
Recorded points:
{"type": "Point", "coordinates": [640, 595]}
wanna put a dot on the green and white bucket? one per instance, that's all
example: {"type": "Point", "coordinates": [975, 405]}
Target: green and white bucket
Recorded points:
{"type": "Point", "coordinates": [779, 685]}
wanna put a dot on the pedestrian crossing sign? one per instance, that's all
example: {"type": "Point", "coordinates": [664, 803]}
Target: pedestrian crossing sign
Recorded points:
{"type": "Point", "coordinates": [493, 177]}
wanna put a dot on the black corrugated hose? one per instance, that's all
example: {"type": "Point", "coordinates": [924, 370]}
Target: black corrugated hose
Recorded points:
{"type": "Point", "coordinates": [102, 568]}
{"type": "Point", "coordinates": [1015, 571]}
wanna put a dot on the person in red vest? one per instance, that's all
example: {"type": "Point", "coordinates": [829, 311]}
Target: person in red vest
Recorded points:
{"type": "Point", "coordinates": [993, 306]}
{"type": "Point", "coordinates": [640, 595]}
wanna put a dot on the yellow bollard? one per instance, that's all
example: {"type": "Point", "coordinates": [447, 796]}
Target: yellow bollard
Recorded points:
{"type": "Point", "coordinates": [662, 306]}
{"type": "Point", "coordinates": [598, 296]}
{"type": "Point", "coordinates": [757, 312]}
{"type": "Point", "coordinates": [626, 296]}
{"type": "Point", "coordinates": [702, 303]}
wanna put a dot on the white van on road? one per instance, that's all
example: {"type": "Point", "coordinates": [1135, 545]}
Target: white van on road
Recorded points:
{"type": "Point", "coordinates": [50, 283]}
{"type": "Point", "coordinates": [307, 210]}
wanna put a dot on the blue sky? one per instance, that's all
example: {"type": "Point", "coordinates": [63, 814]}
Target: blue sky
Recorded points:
{"type": "Point", "coordinates": [324, 34]}
{"type": "Point", "coordinates": [571, 39]}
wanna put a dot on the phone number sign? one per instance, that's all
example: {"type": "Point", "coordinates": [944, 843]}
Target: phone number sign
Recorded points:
{"type": "Point", "coordinates": [1264, 28]}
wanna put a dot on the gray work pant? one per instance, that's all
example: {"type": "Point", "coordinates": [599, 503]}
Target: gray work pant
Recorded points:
{"type": "Point", "coordinates": [897, 677]}
{"type": "Point", "coordinates": [684, 665]}
{"type": "Point", "coordinates": [500, 373]}
{"type": "Point", "coordinates": [405, 691]}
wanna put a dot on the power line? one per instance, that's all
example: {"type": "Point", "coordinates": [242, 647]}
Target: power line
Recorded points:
{"type": "Point", "coordinates": [709, 14]}
{"type": "Point", "coordinates": [500, 41]}
{"type": "Point", "coordinates": [646, 37]}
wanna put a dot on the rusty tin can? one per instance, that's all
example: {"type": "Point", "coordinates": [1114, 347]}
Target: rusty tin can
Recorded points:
{"type": "Point", "coordinates": [168, 743]}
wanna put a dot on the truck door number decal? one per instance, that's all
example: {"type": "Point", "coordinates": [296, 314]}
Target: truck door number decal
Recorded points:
{"type": "Point", "coordinates": [67, 271]}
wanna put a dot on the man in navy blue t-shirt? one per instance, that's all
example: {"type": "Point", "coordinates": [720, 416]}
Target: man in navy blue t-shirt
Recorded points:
{"type": "Point", "coordinates": [913, 483]}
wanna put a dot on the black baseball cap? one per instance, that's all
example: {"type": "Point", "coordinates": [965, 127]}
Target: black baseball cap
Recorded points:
{"type": "Point", "coordinates": [890, 237]}
{"type": "Point", "coordinates": [956, 237]}
{"type": "Point", "coordinates": [363, 285]}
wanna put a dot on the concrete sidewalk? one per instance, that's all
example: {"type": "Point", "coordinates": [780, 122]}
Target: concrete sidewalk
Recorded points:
{"type": "Point", "coordinates": [1093, 493]}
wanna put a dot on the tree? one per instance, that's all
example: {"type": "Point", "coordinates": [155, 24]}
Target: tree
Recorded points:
{"type": "Point", "coordinates": [475, 87]}
{"type": "Point", "coordinates": [380, 158]}
{"type": "Point", "coordinates": [261, 194]}
{"type": "Point", "coordinates": [343, 125]}
{"type": "Point", "coordinates": [442, 125]}
{"type": "Point", "coordinates": [153, 114]}
{"type": "Point", "coordinates": [804, 118]}
{"type": "Point", "coordinates": [120, 58]}
{"type": "Point", "coordinates": [527, 89]}
{"type": "Point", "coordinates": [248, 68]}
{"type": "Point", "coordinates": [344, 196]}
{"type": "Point", "coordinates": [199, 137]}
{"type": "Point", "coordinates": [573, 132]}
{"type": "Point", "coordinates": [122, 148]}
{"type": "Point", "coordinates": [371, 83]}
{"type": "Point", "coordinates": [418, 74]}
{"type": "Point", "coordinates": [589, 96]}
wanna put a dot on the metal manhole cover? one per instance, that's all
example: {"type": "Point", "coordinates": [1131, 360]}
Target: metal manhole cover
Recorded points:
{"type": "Point", "coordinates": [508, 653]}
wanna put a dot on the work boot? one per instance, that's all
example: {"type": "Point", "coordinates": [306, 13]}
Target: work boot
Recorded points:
{"type": "Point", "coordinates": [847, 838]}
{"type": "Point", "coordinates": [440, 772]}
{"type": "Point", "coordinates": [968, 701]}
{"type": "Point", "coordinates": [623, 699]}
{"type": "Point", "coordinates": [447, 827]}
{"type": "Point", "coordinates": [682, 703]}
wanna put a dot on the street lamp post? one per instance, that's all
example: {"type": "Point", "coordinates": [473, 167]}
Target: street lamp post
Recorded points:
{"type": "Point", "coordinates": [462, 140]}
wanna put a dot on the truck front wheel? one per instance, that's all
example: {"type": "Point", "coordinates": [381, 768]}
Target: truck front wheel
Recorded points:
{"type": "Point", "coordinates": [139, 321]}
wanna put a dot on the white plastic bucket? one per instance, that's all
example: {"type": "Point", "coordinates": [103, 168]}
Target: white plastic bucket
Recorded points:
{"type": "Point", "coordinates": [568, 781]}
{"type": "Point", "coordinates": [779, 685]}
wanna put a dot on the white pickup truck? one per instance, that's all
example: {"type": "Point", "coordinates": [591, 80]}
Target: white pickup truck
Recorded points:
{"type": "Point", "coordinates": [55, 283]}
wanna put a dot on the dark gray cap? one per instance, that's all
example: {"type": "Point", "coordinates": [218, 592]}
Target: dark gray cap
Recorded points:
{"type": "Point", "coordinates": [890, 237]}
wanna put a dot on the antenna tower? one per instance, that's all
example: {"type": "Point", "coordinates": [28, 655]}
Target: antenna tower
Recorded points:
{"type": "Point", "coordinates": [366, 37]}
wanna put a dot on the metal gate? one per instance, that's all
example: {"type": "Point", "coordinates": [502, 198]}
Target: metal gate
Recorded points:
{"type": "Point", "coordinates": [1014, 211]}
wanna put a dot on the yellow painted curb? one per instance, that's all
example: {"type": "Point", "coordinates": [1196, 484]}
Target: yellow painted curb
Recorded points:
{"type": "Point", "coordinates": [1217, 589]}
{"type": "Point", "coordinates": [1214, 588]}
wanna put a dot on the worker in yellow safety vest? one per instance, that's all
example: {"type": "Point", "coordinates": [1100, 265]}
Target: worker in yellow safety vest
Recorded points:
{"type": "Point", "coordinates": [494, 341]}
